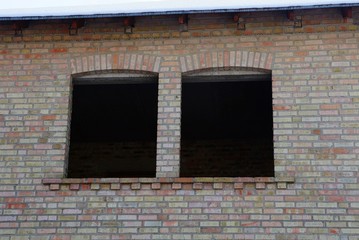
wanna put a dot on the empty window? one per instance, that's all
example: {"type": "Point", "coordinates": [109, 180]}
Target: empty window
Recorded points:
{"type": "Point", "coordinates": [113, 127]}
{"type": "Point", "coordinates": [227, 126]}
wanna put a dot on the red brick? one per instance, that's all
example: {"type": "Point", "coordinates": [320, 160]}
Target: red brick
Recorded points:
{"type": "Point", "coordinates": [16, 205]}
{"type": "Point", "coordinates": [58, 50]}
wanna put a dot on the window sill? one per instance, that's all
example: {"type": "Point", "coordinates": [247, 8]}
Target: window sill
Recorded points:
{"type": "Point", "coordinates": [196, 183]}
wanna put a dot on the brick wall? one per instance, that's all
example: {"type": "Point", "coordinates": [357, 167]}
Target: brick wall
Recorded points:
{"type": "Point", "coordinates": [315, 114]}
{"type": "Point", "coordinates": [227, 157]}
{"type": "Point", "coordinates": [113, 159]}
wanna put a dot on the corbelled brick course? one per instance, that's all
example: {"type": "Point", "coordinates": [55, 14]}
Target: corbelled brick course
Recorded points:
{"type": "Point", "coordinates": [315, 80]}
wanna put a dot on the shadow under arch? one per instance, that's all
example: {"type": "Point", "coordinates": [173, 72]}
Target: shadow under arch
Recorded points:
{"type": "Point", "coordinates": [226, 74]}
{"type": "Point", "coordinates": [114, 77]}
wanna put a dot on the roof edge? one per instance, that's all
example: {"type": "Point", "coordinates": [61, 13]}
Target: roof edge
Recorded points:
{"type": "Point", "coordinates": [178, 12]}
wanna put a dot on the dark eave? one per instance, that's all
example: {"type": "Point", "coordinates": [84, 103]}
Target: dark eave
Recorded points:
{"type": "Point", "coordinates": [110, 15]}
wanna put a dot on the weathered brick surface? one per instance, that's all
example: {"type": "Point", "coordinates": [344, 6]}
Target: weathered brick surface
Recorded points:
{"type": "Point", "coordinates": [315, 113]}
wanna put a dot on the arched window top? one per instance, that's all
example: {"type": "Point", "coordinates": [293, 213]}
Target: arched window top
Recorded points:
{"type": "Point", "coordinates": [227, 71]}
{"type": "Point", "coordinates": [239, 58]}
{"type": "Point", "coordinates": [227, 74]}
{"type": "Point", "coordinates": [114, 77]}
{"type": "Point", "coordinates": [125, 61]}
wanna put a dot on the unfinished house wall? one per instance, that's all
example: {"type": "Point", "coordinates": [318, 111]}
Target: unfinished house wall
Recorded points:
{"type": "Point", "coordinates": [313, 193]}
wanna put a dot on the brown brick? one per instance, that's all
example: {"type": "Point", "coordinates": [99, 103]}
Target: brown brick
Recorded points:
{"type": "Point", "coordinates": [314, 73]}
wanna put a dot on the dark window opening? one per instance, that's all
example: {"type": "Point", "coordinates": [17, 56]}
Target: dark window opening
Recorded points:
{"type": "Point", "coordinates": [113, 130]}
{"type": "Point", "coordinates": [227, 126]}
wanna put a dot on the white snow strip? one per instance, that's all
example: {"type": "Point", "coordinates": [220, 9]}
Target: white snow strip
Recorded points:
{"type": "Point", "coordinates": [41, 8]}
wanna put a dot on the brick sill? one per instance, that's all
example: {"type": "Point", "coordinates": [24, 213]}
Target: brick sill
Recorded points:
{"type": "Point", "coordinates": [159, 183]}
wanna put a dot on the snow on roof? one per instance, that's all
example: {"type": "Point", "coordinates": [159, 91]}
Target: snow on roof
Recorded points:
{"type": "Point", "coordinates": [25, 9]}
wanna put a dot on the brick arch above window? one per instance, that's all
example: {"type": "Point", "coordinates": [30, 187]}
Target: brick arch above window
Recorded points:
{"type": "Point", "coordinates": [124, 61]}
{"type": "Point", "coordinates": [223, 59]}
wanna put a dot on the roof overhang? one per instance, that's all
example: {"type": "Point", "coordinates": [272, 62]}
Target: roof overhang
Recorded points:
{"type": "Point", "coordinates": [41, 9]}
